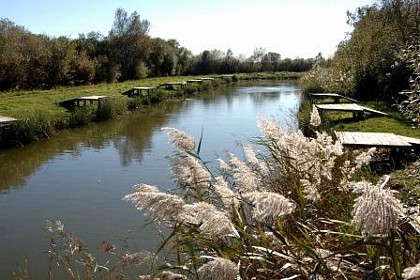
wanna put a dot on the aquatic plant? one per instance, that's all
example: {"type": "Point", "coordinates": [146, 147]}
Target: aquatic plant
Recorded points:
{"type": "Point", "coordinates": [289, 209]}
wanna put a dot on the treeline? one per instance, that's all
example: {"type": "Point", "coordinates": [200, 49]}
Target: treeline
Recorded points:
{"type": "Point", "coordinates": [29, 61]}
{"type": "Point", "coordinates": [372, 62]}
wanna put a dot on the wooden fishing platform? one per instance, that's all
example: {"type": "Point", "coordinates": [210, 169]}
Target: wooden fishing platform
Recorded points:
{"type": "Point", "coordinates": [357, 110]}
{"type": "Point", "coordinates": [139, 91]}
{"type": "Point", "coordinates": [206, 79]}
{"type": "Point", "coordinates": [194, 81]}
{"type": "Point", "coordinates": [375, 139]}
{"type": "Point", "coordinates": [83, 101]}
{"type": "Point", "coordinates": [173, 85]}
{"type": "Point", "coordinates": [337, 97]}
{"type": "Point", "coordinates": [6, 121]}
{"type": "Point", "coordinates": [225, 76]}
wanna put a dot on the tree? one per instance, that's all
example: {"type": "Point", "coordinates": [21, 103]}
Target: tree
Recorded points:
{"type": "Point", "coordinates": [129, 42]}
{"type": "Point", "coordinates": [270, 61]}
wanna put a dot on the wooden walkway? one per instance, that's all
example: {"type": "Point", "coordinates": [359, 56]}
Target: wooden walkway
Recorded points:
{"type": "Point", "coordinates": [375, 139]}
{"type": "Point", "coordinates": [335, 96]}
{"type": "Point", "coordinates": [357, 110]}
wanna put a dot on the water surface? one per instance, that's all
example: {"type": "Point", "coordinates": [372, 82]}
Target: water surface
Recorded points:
{"type": "Point", "coordinates": [81, 175]}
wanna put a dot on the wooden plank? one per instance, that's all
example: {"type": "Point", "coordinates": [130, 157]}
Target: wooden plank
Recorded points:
{"type": "Point", "coordinates": [350, 107]}
{"type": "Point", "coordinates": [374, 111]}
{"type": "Point", "coordinates": [173, 84]}
{"type": "Point", "coordinates": [332, 95]}
{"type": "Point", "coordinates": [93, 97]}
{"type": "Point", "coordinates": [4, 119]}
{"type": "Point", "coordinates": [324, 94]}
{"type": "Point", "coordinates": [410, 140]}
{"type": "Point", "coordinates": [371, 139]}
{"type": "Point", "coordinates": [144, 88]}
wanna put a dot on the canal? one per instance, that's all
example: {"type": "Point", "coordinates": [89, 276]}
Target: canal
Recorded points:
{"type": "Point", "coordinates": [80, 176]}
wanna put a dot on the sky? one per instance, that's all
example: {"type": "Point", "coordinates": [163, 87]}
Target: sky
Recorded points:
{"type": "Point", "coordinates": [292, 28]}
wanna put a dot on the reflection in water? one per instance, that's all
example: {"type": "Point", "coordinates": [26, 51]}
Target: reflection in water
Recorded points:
{"type": "Point", "coordinates": [80, 175]}
{"type": "Point", "coordinates": [130, 135]}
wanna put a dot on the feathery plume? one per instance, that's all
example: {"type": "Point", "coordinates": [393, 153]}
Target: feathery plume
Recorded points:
{"type": "Point", "coordinates": [164, 275]}
{"type": "Point", "coordinates": [269, 205]}
{"type": "Point", "coordinates": [223, 166]}
{"type": "Point", "coordinates": [364, 158]}
{"type": "Point", "coordinates": [315, 117]}
{"type": "Point", "coordinates": [180, 139]}
{"type": "Point", "coordinates": [188, 171]}
{"type": "Point", "coordinates": [229, 198]}
{"type": "Point", "coordinates": [165, 206]}
{"type": "Point", "coordinates": [254, 162]}
{"type": "Point", "coordinates": [211, 220]}
{"type": "Point", "coordinates": [270, 129]}
{"type": "Point", "coordinates": [54, 226]}
{"type": "Point", "coordinates": [376, 211]}
{"type": "Point", "coordinates": [243, 177]}
{"type": "Point", "coordinates": [412, 273]}
{"type": "Point", "coordinates": [218, 268]}
{"type": "Point", "coordinates": [310, 191]}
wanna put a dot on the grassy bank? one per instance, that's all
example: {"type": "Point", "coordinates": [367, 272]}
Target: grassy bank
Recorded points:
{"type": "Point", "coordinates": [342, 121]}
{"type": "Point", "coordinates": [40, 115]}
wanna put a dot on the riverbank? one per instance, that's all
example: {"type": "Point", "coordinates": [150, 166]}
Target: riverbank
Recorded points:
{"type": "Point", "coordinates": [40, 115]}
{"type": "Point", "coordinates": [344, 121]}
{"type": "Point", "coordinates": [406, 176]}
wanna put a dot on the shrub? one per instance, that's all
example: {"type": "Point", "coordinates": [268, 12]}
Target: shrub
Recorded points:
{"type": "Point", "coordinates": [26, 129]}
{"type": "Point", "coordinates": [81, 116]}
{"type": "Point", "coordinates": [410, 105]}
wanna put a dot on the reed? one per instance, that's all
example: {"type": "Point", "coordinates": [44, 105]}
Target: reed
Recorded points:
{"type": "Point", "coordinates": [293, 207]}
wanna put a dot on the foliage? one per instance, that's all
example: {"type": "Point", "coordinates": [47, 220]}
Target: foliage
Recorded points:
{"type": "Point", "coordinates": [410, 105]}
{"type": "Point", "coordinates": [364, 64]}
{"type": "Point", "coordinates": [81, 116]}
{"type": "Point", "coordinates": [70, 254]}
{"type": "Point", "coordinates": [29, 61]}
{"type": "Point", "coordinates": [31, 127]}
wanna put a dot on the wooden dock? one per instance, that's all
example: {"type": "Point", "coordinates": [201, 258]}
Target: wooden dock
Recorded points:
{"type": "Point", "coordinates": [337, 97]}
{"type": "Point", "coordinates": [6, 121]}
{"type": "Point", "coordinates": [194, 81]}
{"type": "Point", "coordinates": [139, 91]}
{"type": "Point", "coordinates": [83, 101]}
{"type": "Point", "coordinates": [357, 110]}
{"type": "Point", "coordinates": [375, 139]}
{"type": "Point", "coordinates": [173, 85]}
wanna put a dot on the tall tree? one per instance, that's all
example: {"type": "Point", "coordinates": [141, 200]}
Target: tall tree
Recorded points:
{"type": "Point", "coordinates": [130, 43]}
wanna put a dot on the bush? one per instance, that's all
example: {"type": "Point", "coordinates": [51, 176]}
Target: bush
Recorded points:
{"type": "Point", "coordinates": [31, 128]}
{"type": "Point", "coordinates": [81, 116]}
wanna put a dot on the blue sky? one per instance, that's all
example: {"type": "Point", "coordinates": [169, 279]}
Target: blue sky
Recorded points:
{"type": "Point", "coordinates": [293, 28]}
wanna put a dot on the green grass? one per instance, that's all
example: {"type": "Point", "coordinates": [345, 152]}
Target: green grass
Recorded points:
{"type": "Point", "coordinates": [40, 115]}
{"type": "Point", "coordinates": [394, 123]}
{"type": "Point", "coordinates": [18, 103]}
